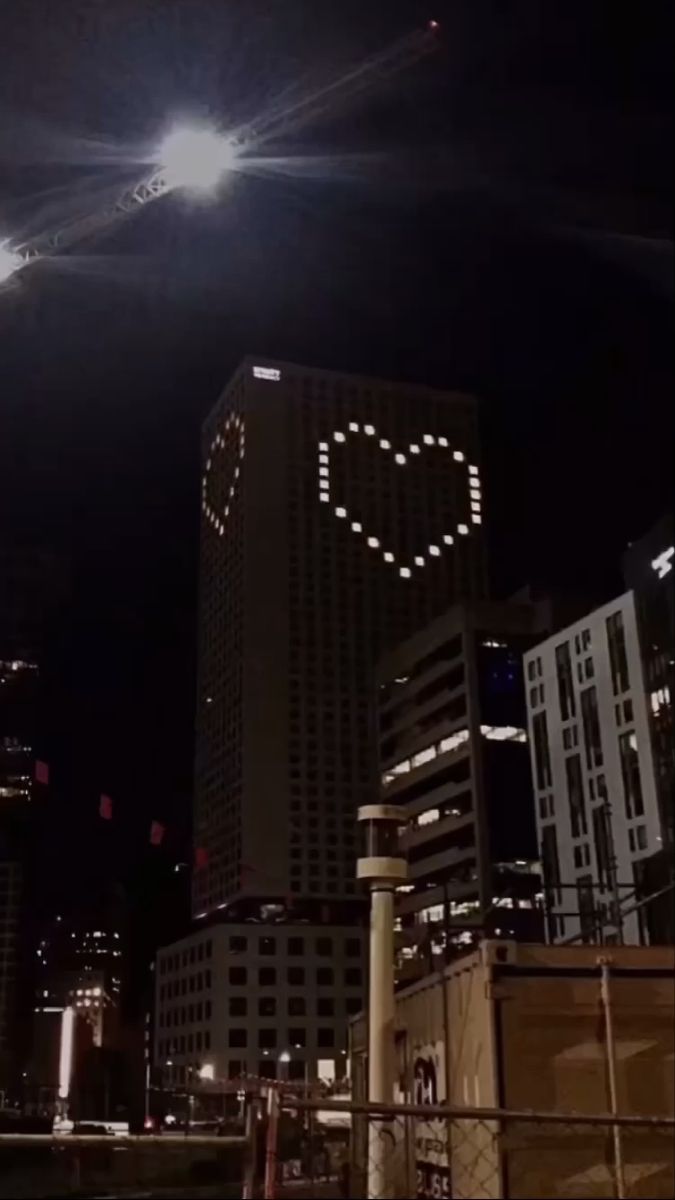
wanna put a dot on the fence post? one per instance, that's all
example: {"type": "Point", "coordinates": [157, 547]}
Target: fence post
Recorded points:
{"type": "Point", "coordinates": [250, 1157]}
{"type": "Point", "coordinates": [271, 1147]}
{"type": "Point", "coordinates": [611, 1077]}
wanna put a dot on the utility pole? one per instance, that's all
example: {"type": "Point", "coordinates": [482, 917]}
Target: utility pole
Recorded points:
{"type": "Point", "coordinates": [381, 864]}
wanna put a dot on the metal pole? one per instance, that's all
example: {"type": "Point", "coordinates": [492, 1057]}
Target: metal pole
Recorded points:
{"type": "Point", "coordinates": [380, 1037]}
{"type": "Point", "coordinates": [611, 1076]}
{"type": "Point", "coordinates": [250, 1150]}
{"type": "Point", "coordinates": [271, 1148]}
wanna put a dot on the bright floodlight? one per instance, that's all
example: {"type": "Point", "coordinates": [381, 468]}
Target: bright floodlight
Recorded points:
{"type": "Point", "coordinates": [195, 158]}
{"type": "Point", "coordinates": [9, 262]}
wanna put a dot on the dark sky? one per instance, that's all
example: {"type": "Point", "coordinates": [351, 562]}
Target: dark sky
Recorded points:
{"type": "Point", "coordinates": [495, 217]}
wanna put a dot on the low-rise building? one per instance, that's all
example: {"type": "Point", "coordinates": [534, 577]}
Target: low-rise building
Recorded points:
{"type": "Point", "coordinates": [266, 998]}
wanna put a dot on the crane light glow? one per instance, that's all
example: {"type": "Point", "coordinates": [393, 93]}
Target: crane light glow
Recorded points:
{"type": "Point", "coordinates": [195, 159]}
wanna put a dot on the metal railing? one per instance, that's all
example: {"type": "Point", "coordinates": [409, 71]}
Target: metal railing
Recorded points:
{"type": "Point", "coordinates": [387, 1152]}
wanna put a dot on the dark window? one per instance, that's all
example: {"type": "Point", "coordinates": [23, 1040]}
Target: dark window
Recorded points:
{"type": "Point", "coordinates": [267, 1039]}
{"type": "Point", "coordinates": [324, 946]}
{"type": "Point", "coordinates": [563, 663]}
{"type": "Point", "coordinates": [353, 947]}
{"type": "Point", "coordinates": [237, 975]}
{"type": "Point", "coordinates": [551, 868]}
{"type": "Point", "coordinates": [353, 977]}
{"type": "Point", "coordinates": [238, 1006]}
{"type": "Point", "coordinates": [325, 1037]}
{"type": "Point", "coordinates": [237, 1038]}
{"type": "Point", "coordinates": [237, 944]}
{"type": "Point", "coordinates": [353, 1004]}
{"type": "Point", "coordinates": [325, 1006]}
{"type": "Point", "coordinates": [324, 976]}
{"type": "Point", "coordinates": [587, 914]}
{"type": "Point", "coordinates": [267, 945]}
{"type": "Point", "coordinates": [296, 1006]}
{"type": "Point", "coordinates": [575, 795]}
{"type": "Point", "coordinates": [616, 638]}
{"type": "Point", "coordinates": [296, 945]}
{"type": "Point", "coordinates": [604, 848]}
{"type": "Point", "coordinates": [296, 976]}
{"type": "Point", "coordinates": [267, 976]}
{"type": "Point", "coordinates": [297, 1038]}
{"type": "Point", "coordinates": [591, 722]}
{"type": "Point", "coordinates": [542, 755]}
{"type": "Point", "coordinates": [630, 773]}
{"type": "Point", "coordinates": [267, 1006]}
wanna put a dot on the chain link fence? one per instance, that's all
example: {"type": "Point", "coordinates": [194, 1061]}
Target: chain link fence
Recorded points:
{"type": "Point", "coordinates": [386, 1153]}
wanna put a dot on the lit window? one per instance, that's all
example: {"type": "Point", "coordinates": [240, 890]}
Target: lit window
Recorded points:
{"type": "Point", "coordinates": [473, 470]}
{"type": "Point", "coordinates": [475, 505]}
{"type": "Point", "coordinates": [369, 429]}
{"type": "Point", "coordinates": [338, 436]}
{"type": "Point", "coordinates": [423, 756]}
{"type": "Point", "coordinates": [357, 526]}
{"type": "Point", "coordinates": [474, 491]}
{"type": "Point", "coordinates": [476, 518]}
{"type": "Point", "coordinates": [503, 733]}
{"type": "Point", "coordinates": [400, 459]}
{"type": "Point", "coordinates": [458, 455]}
{"type": "Point", "coordinates": [404, 572]}
{"type": "Point", "coordinates": [266, 373]}
{"type": "Point", "coordinates": [373, 541]}
{"type": "Point", "coordinates": [414, 449]}
{"type": "Point", "coordinates": [340, 512]}
{"type": "Point", "coordinates": [324, 496]}
{"type": "Point", "coordinates": [388, 556]}
{"type": "Point", "coordinates": [448, 539]}
{"type": "Point", "coordinates": [428, 439]}
{"type": "Point", "coordinates": [384, 444]}
{"type": "Point", "coordinates": [323, 470]}
{"type": "Point", "coordinates": [428, 818]}
{"type": "Point", "coordinates": [324, 485]}
{"type": "Point", "coordinates": [443, 441]}
{"type": "Point", "coordinates": [434, 551]}
{"type": "Point", "coordinates": [463, 529]}
{"type": "Point", "coordinates": [323, 458]}
{"type": "Point", "coordinates": [324, 446]}
{"type": "Point", "coordinates": [353, 427]}
{"type": "Point", "coordinates": [419, 561]}
{"type": "Point", "coordinates": [452, 742]}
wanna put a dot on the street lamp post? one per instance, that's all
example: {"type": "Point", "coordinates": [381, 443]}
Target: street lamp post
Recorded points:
{"type": "Point", "coordinates": [382, 866]}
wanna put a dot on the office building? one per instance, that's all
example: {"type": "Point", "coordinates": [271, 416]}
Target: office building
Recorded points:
{"type": "Point", "coordinates": [593, 766]}
{"type": "Point", "coordinates": [266, 1000]}
{"type": "Point", "coordinates": [453, 754]}
{"type": "Point", "coordinates": [338, 515]}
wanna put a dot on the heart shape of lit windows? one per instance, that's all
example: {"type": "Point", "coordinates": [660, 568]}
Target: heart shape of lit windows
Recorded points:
{"type": "Point", "coordinates": [401, 458]}
{"type": "Point", "coordinates": [230, 442]}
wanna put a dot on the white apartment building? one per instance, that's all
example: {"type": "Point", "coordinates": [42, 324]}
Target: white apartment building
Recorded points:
{"type": "Point", "coordinates": [593, 773]}
{"type": "Point", "coordinates": [269, 1000]}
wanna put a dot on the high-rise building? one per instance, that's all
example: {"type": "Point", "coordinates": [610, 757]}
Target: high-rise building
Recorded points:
{"type": "Point", "coordinates": [453, 754]}
{"type": "Point", "coordinates": [597, 801]}
{"type": "Point", "coordinates": [28, 588]}
{"type": "Point", "coordinates": [339, 514]}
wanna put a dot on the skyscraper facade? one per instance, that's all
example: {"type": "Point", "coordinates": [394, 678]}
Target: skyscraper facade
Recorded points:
{"type": "Point", "coordinates": [339, 515]}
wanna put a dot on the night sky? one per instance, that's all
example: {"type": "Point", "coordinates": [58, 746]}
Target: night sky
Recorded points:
{"type": "Point", "coordinates": [495, 217]}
